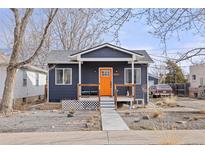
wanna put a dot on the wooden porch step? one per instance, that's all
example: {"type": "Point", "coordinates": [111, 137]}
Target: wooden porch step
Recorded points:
{"type": "Point", "coordinates": [107, 104]}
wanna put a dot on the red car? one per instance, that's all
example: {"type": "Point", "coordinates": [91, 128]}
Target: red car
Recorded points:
{"type": "Point", "coordinates": [161, 90]}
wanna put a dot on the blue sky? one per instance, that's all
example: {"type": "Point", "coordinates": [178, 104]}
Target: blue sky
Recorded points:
{"type": "Point", "coordinates": [134, 35]}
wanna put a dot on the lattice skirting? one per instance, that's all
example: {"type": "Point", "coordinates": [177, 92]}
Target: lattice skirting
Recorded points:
{"type": "Point", "coordinates": [80, 105]}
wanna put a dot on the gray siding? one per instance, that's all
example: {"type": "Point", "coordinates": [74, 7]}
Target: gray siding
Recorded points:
{"type": "Point", "coordinates": [106, 52]}
{"type": "Point", "coordinates": [90, 75]}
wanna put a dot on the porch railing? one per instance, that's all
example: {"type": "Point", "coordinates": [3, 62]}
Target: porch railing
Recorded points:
{"type": "Point", "coordinates": [79, 90]}
{"type": "Point", "coordinates": [131, 95]}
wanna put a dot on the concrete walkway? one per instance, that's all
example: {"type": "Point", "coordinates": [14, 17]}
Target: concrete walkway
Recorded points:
{"type": "Point", "coordinates": [106, 137]}
{"type": "Point", "coordinates": [111, 120]}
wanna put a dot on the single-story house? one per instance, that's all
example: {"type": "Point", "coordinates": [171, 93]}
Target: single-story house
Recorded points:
{"type": "Point", "coordinates": [105, 70]}
{"type": "Point", "coordinates": [153, 80]}
{"type": "Point", "coordinates": [30, 81]}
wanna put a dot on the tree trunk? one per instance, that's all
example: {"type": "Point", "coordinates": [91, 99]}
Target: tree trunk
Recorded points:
{"type": "Point", "coordinates": [7, 100]}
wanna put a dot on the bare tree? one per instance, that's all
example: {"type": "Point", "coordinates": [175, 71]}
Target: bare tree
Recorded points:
{"type": "Point", "coordinates": [171, 22]}
{"type": "Point", "coordinates": [21, 21]}
{"type": "Point", "coordinates": [77, 29]}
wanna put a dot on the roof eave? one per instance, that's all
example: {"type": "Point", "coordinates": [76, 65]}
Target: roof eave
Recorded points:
{"type": "Point", "coordinates": [106, 45]}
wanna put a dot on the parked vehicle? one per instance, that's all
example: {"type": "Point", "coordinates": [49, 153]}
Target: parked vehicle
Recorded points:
{"type": "Point", "coordinates": [161, 90]}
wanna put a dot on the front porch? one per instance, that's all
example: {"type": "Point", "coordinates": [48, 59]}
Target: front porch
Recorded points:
{"type": "Point", "coordinates": [129, 96]}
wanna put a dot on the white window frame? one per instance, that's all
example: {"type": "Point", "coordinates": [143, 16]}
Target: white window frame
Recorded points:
{"type": "Point", "coordinates": [125, 69]}
{"type": "Point", "coordinates": [71, 74]}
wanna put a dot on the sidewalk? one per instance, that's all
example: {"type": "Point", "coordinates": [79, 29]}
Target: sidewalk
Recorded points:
{"type": "Point", "coordinates": [111, 120]}
{"type": "Point", "coordinates": [106, 137]}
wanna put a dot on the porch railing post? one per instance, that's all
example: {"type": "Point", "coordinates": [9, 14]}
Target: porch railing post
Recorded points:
{"type": "Point", "coordinates": [135, 90]}
{"type": "Point", "coordinates": [115, 95]}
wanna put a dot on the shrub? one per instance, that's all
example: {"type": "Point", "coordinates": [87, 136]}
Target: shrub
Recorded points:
{"type": "Point", "coordinates": [170, 101]}
{"type": "Point", "coordinates": [156, 113]}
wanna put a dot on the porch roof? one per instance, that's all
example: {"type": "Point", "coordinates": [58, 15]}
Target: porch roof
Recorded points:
{"type": "Point", "coordinates": [64, 56]}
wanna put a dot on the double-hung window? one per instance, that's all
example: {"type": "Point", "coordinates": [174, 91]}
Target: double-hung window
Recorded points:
{"type": "Point", "coordinates": [63, 76]}
{"type": "Point", "coordinates": [128, 75]}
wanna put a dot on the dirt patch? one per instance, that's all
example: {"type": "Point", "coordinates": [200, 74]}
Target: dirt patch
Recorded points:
{"type": "Point", "coordinates": [166, 102]}
{"type": "Point", "coordinates": [164, 120]}
{"type": "Point", "coordinates": [46, 106]}
{"type": "Point", "coordinates": [23, 106]}
{"type": "Point", "coordinates": [37, 105]}
{"type": "Point", "coordinates": [50, 121]}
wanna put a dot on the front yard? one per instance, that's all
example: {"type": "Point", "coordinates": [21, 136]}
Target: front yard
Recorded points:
{"type": "Point", "coordinates": [167, 114]}
{"type": "Point", "coordinates": [161, 114]}
{"type": "Point", "coordinates": [158, 120]}
{"type": "Point", "coordinates": [48, 118]}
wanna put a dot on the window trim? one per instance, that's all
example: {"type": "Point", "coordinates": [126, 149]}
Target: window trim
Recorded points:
{"type": "Point", "coordinates": [136, 76]}
{"type": "Point", "coordinates": [71, 74]}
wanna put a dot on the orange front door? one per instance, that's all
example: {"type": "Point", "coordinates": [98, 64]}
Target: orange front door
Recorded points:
{"type": "Point", "coordinates": [105, 81]}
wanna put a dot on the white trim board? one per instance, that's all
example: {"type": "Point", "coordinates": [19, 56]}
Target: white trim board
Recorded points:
{"type": "Point", "coordinates": [62, 62]}
{"type": "Point", "coordinates": [106, 59]}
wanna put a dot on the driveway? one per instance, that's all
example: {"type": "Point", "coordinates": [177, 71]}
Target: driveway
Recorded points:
{"type": "Point", "coordinates": [106, 137]}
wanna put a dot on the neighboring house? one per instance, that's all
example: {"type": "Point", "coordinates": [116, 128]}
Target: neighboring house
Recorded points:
{"type": "Point", "coordinates": [30, 81]}
{"type": "Point", "coordinates": [105, 65]}
{"type": "Point", "coordinates": [196, 78]}
{"type": "Point", "coordinates": [153, 80]}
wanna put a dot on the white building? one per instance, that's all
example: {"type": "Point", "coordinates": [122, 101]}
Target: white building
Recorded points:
{"type": "Point", "coordinates": [30, 81]}
{"type": "Point", "coordinates": [196, 78]}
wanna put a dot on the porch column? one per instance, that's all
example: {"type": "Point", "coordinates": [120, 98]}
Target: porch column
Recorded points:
{"type": "Point", "coordinates": [79, 77]}
{"type": "Point", "coordinates": [133, 72]}
{"type": "Point", "coordinates": [79, 72]}
{"type": "Point", "coordinates": [132, 81]}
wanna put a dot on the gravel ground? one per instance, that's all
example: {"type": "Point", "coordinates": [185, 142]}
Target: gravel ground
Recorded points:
{"type": "Point", "coordinates": [50, 121]}
{"type": "Point", "coordinates": [166, 120]}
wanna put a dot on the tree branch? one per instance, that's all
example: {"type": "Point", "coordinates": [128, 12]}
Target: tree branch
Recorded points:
{"type": "Point", "coordinates": [50, 20]}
